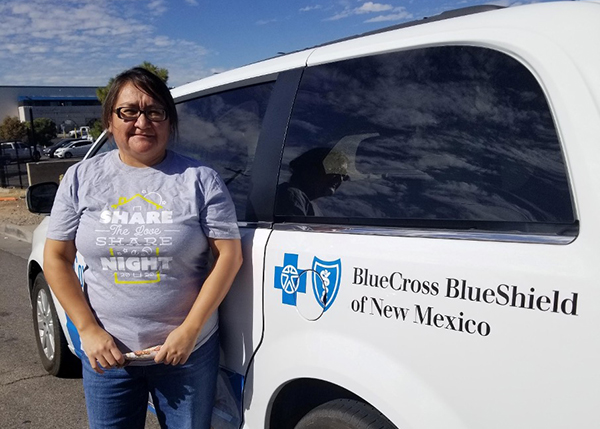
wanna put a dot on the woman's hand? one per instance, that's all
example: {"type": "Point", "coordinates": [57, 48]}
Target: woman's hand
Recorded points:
{"type": "Point", "coordinates": [97, 344]}
{"type": "Point", "coordinates": [178, 346]}
{"type": "Point", "coordinates": [100, 349]}
{"type": "Point", "coordinates": [181, 341]}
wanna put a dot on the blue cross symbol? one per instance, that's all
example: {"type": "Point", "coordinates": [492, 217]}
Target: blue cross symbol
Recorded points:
{"type": "Point", "coordinates": [290, 279]}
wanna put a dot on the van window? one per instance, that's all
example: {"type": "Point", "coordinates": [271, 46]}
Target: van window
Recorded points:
{"type": "Point", "coordinates": [222, 130]}
{"type": "Point", "coordinates": [108, 145]}
{"type": "Point", "coordinates": [438, 137]}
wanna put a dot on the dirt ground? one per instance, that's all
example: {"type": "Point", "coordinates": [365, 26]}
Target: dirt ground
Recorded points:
{"type": "Point", "coordinates": [13, 208]}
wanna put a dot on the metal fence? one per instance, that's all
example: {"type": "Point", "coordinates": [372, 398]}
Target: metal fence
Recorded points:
{"type": "Point", "coordinates": [13, 168]}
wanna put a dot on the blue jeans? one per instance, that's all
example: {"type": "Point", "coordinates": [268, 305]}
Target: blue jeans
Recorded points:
{"type": "Point", "coordinates": [183, 395]}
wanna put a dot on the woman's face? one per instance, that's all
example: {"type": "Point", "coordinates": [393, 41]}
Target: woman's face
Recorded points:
{"type": "Point", "coordinates": [141, 142]}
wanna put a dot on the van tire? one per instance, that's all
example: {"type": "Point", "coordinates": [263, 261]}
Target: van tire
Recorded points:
{"type": "Point", "coordinates": [51, 343]}
{"type": "Point", "coordinates": [68, 155]}
{"type": "Point", "coordinates": [344, 414]}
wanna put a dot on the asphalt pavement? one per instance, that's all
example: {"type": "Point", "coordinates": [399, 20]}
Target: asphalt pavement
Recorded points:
{"type": "Point", "coordinates": [29, 397]}
{"type": "Point", "coordinates": [16, 239]}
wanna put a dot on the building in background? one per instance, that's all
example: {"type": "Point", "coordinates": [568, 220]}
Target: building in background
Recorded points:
{"type": "Point", "coordinates": [70, 107]}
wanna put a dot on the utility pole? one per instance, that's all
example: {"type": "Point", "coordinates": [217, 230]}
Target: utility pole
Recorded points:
{"type": "Point", "coordinates": [33, 142]}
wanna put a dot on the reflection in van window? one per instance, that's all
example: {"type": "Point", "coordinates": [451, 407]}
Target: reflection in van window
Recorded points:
{"type": "Point", "coordinates": [221, 130]}
{"type": "Point", "coordinates": [458, 134]}
{"type": "Point", "coordinates": [108, 145]}
{"type": "Point", "coordinates": [316, 173]}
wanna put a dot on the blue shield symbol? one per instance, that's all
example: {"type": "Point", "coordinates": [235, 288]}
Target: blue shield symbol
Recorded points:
{"type": "Point", "coordinates": [326, 278]}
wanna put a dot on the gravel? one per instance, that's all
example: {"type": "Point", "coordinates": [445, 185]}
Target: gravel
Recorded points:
{"type": "Point", "coordinates": [13, 208]}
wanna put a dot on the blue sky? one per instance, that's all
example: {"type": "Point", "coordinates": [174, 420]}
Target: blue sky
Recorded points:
{"type": "Point", "coordinates": [85, 42]}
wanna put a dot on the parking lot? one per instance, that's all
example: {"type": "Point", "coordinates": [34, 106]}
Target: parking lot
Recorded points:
{"type": "Point", "coordinates": [29, 397]}
{"type": "Point", "coordinates": [14, 174]}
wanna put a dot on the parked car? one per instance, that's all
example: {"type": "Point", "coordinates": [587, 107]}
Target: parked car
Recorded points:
{"type": "Point", "coordinates": [73, 149]}
{"type": "Point", "coordinates": [18, 152]}
{"type": "Point", "coordinates": [419, 212]}
{"type": "Point", "coordinates": [50, 150]}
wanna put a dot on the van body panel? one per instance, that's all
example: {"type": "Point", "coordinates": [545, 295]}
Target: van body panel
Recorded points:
{"type": "Point", "coordinates": [247, 75]}
{"type": "Point", "coordinates": [241, 325]}
{"type": "Point", "coordinates": [517, 350]}
{"type": "Point", "coordinates": [434, 327]}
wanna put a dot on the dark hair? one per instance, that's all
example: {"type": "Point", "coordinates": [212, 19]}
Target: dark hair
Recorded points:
{"type": "Point", "coordinates": [147, 82]}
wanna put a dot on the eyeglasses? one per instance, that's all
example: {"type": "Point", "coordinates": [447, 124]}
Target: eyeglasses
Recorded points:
{"type": "Point", "coordinates": [132, 113]}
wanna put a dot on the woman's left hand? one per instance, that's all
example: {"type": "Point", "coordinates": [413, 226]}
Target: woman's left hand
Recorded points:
{"type": "Point", "coordinates": [181, 341]}
{"type": "Point", "coordinates": [177, 347]}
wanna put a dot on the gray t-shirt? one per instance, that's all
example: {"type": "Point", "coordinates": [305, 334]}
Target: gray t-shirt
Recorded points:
{"type": "Point", "coordinates": [143, 235]}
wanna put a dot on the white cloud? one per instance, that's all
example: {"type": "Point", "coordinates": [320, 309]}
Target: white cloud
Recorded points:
{"type": "Point", "coordinates": [265, 21]}
{"type": "Point", "coordinates": [370, 7]}
{"type": "Point", "coordinates": [192, 2]}
{"type": "Point", "coordinates": [393, 13]}
{"type": "Point", "coordinates": [309, 8]}
{"type": "Point", "coordinates": [391, 17]}
{"type": "Point", "coordinates": [85, 42]}
{"type": "Point", "coordinates": [163, 41]}
{"type": "Point", "coordinates": [157, 7]}
{"type": "Point", "coordinates": [40, 49]}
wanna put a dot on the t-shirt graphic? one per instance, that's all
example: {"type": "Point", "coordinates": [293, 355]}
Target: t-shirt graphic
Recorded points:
{"type": "Point", "coordinates": [136, 233]}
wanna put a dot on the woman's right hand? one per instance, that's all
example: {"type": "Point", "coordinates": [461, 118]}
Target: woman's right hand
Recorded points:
{"type": "Point", "coordinates": [100, 349]}
{"type": "Point", "coordinates": [97, 344]}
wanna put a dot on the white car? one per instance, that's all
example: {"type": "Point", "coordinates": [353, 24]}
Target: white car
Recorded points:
{"type": "Point", "coordinates": [76, 149]}
{"type": "Point", "coordinates": [18, 152]}
{"type": "Point", "coordinates": [419, 215]}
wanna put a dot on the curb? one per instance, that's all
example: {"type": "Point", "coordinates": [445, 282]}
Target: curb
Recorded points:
{"type": "Point", "coordinates": [20, 232]}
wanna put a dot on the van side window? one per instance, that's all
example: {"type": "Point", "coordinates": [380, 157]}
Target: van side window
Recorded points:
{"type": "Point", "coordinates": [222, 130]}
{"type": "Point", "coordinates": [108, 145]}
{"type": "Point", "coordinates": [450, 136]}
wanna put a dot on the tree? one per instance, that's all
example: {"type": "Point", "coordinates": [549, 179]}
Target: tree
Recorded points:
{"type": "Point", "coordinates": [102, 92]}
{"type": "Point", "coordinates": [96, 129]}
{"type": "Point", "coordinates": [45, 130]}
{"type": "Point", "coordinates": [12, 129]}
{"type": "Point", "coordinates": [160, 72]}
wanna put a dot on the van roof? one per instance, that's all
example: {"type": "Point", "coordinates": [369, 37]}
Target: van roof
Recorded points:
{"type": "Point", "coordinates": [454, 13]}
{"type": "Point", "coordinates": [570, 25]}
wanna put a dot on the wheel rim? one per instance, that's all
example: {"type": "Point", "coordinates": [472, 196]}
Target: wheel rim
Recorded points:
{"type": "Point", "coordinates": [45, 324]}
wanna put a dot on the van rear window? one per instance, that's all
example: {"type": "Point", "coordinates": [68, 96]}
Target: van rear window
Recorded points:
{"type": "Point", "coordinates": [449, 136]}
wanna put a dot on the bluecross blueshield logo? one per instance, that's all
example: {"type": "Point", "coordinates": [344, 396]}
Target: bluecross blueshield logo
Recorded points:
{"type": "Point", "coordinates": [288, 278]}
{"type": "Point", "coordinates": [326, 278]}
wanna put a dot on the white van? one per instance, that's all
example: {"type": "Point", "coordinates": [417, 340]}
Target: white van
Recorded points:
{"type": "Point", "coordinates": [417, 208]}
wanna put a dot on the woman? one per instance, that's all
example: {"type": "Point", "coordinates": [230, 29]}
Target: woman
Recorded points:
{"type": "Point", "coordinates": [145, 220]}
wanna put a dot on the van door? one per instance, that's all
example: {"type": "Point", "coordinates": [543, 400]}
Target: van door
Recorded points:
{"type": "Point", "coordinates": [424, 246]}
{"type": "Point", "coordinates": [226, 131]}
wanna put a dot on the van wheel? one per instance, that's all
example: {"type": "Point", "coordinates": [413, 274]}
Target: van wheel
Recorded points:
{"type": "Point", "coordinates": [52, 346]}
{"type": "Point", "coordinates": [68, 155]}
{"type": "Point", "coordinates": [36, 156]}
{"type": "Point", "coordinates": [344, 414]}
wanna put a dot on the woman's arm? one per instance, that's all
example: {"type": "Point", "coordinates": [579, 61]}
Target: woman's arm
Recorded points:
{"type": "Point", "coordinates": [97, 344]}
{"type": "Point", "coordinates": [179, 344]}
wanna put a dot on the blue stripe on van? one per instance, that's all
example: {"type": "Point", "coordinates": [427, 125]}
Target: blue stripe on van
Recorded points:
{"type": "Point", "coordinates": [75, 340]}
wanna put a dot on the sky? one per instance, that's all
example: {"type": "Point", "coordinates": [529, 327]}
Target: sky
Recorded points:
{"type": "Point", "coordinates": [86, 42]}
